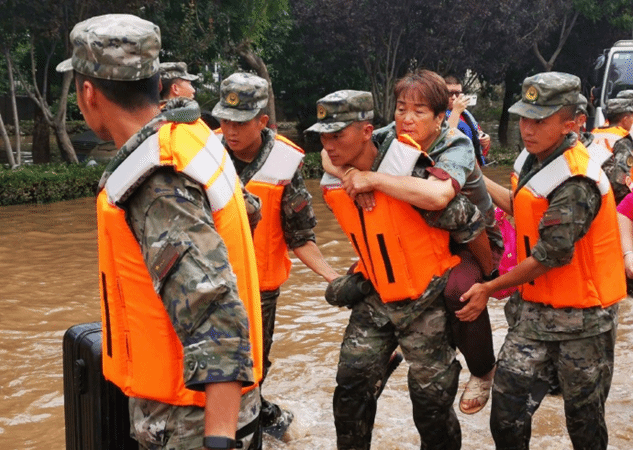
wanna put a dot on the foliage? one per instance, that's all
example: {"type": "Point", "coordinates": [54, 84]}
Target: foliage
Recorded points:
{"type": "Point", "coordinates": [312, 168]}
{"type": "Point", "coordinates": [48, 183]}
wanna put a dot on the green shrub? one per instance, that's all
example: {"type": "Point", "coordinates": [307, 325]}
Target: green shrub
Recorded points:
{"type": "Point", "coordinates": [312, 168]}
{"type": "Point", "coordinates": [48, 183]}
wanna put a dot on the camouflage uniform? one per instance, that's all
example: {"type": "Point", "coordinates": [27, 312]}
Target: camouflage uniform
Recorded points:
{"type": "Point", "coordinates": [545, 345]}
{"type": "Point", "coordinates": [376, 328]}
{"type": "Point", "coordinates": [200, 292]}
{"type": "Point", "coordinates": [242, 97]}
{"type": "Point", "coordinates": [151, 210]}
{"type": "Point", "coordinates": [297, 220]}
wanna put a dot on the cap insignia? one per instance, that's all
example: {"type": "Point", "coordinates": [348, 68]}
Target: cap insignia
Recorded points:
{"type": "Point", "coordinates": [531, 94]}
{"type": "Point", "coordinates": [321, 112]}
{"type": "Point", "coordinates": [232, 99]}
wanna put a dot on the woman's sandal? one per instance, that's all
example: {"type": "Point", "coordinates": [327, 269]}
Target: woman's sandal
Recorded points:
{"type": "Point", "coordinates": [476, 389]}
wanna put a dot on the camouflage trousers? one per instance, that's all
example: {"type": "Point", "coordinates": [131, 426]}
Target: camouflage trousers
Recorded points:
{"type": "Point", "coordinates": [374, 331]}
{"type": "Point", "coordinates": [159, 426]}
{"type": "Point", "coordinates": [269, 310]}
{"type": "Point", "coordinates": [526, 369]}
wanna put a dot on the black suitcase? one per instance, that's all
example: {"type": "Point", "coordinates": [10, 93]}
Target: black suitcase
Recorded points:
{"type": "Point", "coordinates": [95, 410]}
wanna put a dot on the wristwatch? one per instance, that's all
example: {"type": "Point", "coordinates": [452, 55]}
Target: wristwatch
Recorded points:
{"type": "Point", "coordinates": [492, 275]}
{"type": "Point", "coordinates": [220, 443]}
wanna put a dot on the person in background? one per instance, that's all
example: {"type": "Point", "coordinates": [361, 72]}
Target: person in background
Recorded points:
{"type": "Point", "coordinates": [619, 113]}
{"type": "Point", "coordinates": [615, 162]}
{"type": "Point", "coordinates": [181, 319]}
{"type": "Point", "coordinates": [269, 165]}
{"type": "Point", "coordinates": [176, 81]}
{"type": "Point", "coordinates": [459, 117]}
{"type": "Point", "coordinates": [562, 322]}
{"type": "Point", "coordinates": [625, 222]}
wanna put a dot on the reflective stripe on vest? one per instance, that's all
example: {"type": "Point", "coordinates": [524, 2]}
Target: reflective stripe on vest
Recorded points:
{"type": "Point", "coordinates": [139, 339]}
{"type": "Point", "coordinates": [595, 276]}
{"type": "Point", "coordinates": [391, 240]}
{"type": "Point", "coordinates": [607, 137]}
{"type": "Point", "coordinates": [599, 153]}
{"type": "Point", "coordinates": [273, 261]}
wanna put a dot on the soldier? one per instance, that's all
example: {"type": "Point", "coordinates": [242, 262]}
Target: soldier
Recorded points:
{"type": "Point", "coordinates": [407, 306]}
{"type": "Point", "coordinates": [269, 165]}
{"type": "Point", "coordinates": [616, 161]}
{"type": "Point", "coordinates": [181, 321]}
{"type": "Point", "coordinates": [619, 120]}
{"type": "Point", "coordinates": [562, 321]}
{"type": "Point", "coordinates": [175, 81]}
{"type": "Point", "coordinates": [619, 167]}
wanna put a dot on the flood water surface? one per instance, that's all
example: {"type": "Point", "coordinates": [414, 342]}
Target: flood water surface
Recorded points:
{"type": "Point", "coordinates": [48, 262]}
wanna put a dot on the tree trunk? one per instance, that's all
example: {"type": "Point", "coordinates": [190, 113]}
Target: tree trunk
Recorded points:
{"type": "Point", "coordinates": [257, 63]}
{"type": "Point", "coordinates": [41, 139]}
{"type": "Point", "coordinates": [14, 108]}
{"type": "Point", "coordinates": [504, 120]}
{"type": "Point", "coordinates": [7, 143]}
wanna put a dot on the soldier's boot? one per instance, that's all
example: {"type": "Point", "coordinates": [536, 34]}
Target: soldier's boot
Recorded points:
{"type": "Point", "coordinates": [274, 420]}
{"type": "Point", "coordinates": [354, 416]}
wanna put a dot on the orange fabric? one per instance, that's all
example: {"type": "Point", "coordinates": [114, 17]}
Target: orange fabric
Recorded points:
{"type": "Point", "coordinates": [595, 276]}
{"type": "Point", "coordinates": [399, 252]}
{"type": "Point", "coordinates": [141, 351]}
{"type": "Point", "coordinates": [607, 137]}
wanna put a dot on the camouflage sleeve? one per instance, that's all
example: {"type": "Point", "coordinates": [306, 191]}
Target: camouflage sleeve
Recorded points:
{"type": "Point", "coordinates": [253, 208]}
{"type": "Point", "coordinates": [618, 167]}
{"type": "Point", "coordinates": [458, 158]}
{"type": "Point", "coordinates": [172, 220]}
{"type": "Point", "coordinates": [460, 217]}
{"type": "Point", "coordinates": [297, 215]}
{"type": "Point", "coordinates": [571, 210]}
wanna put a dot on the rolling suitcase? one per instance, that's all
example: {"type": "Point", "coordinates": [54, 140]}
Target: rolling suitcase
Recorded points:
{"type": "Point", "coordinates": [95, 410]}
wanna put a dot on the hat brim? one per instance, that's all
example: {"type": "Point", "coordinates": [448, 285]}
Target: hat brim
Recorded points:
{"type": "Point", "coordinates": [189, 77]}
{"type": "Point", "coordinates": [65, 66]}
{"type": "Point", "coordinates": [328, 127]}
{"type": "Point", "coordinates": [234, 114]}
{"type": "Point", "coordinates": [531, 111]}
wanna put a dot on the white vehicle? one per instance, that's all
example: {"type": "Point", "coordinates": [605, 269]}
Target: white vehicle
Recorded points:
{"type": "Point", "coordinates": [613, 72]}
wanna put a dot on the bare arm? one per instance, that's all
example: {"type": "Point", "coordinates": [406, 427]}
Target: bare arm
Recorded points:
{"type": "Point", "coordinates": [459, 105]}
{"type": "Point", "coordinates": [311, 256]}
{"type": "Point", "coordinates": [501, 196]}
{"type": "Point", "coordinates": [222, 421]}
{"type": "Point", "coordinates": [431, 194]}
{"type": "Point", "coordinates": [626, 240]}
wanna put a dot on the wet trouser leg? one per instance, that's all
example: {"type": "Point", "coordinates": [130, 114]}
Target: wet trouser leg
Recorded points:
{"type": "Point", "coordinates": [433, 378]}
{"type": "Point", "coordinates": [584, 368]}
{"type": "Point", "coordinates": [269, 309]}
{"type": "Point", "coordinates": [473, 339]}
{"type": "Point", "coordinates": [365, 352]}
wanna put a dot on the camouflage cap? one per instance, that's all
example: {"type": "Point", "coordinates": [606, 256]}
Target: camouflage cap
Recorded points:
{"type": "Point", "coordinates": [546, 93]}
{"type": "Point", "coordinates": [581, 107]}
{"type": "Point", "coordinates": [175, 70]}
{"type": "Point", "coordinates": [114, 47]}
{"type": "Point", "coordinates": [619, 105]}
{"type": "Point", "coordinates": [339, 109]}
{"type": "Point", "coordinates": [628, 93]}
{"type": "Point", "coordinates": [242, 96]}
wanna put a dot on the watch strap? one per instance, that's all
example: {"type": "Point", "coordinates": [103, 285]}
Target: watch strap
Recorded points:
{"type": "Point", "coordinates": [220, 443]}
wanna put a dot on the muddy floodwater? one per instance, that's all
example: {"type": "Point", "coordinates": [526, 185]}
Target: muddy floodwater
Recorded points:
{"type": "Point", "coordinates": [48, 282]}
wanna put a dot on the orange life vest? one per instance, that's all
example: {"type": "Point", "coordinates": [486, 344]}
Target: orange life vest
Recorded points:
{"type": "Point", "coordinates": [399, 252]}
{"type": "Point", "coordinates": [273, 261]}
{"type": "Point", "coordinates": [607, 137]}
{"type": "Point", "coordinates": [141, 352]}
{"type": "Point", "coordinates": [595, 276]}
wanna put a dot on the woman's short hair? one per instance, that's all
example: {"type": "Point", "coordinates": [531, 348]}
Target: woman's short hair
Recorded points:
{"type": "Point", "coordinates": [424, 85]}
